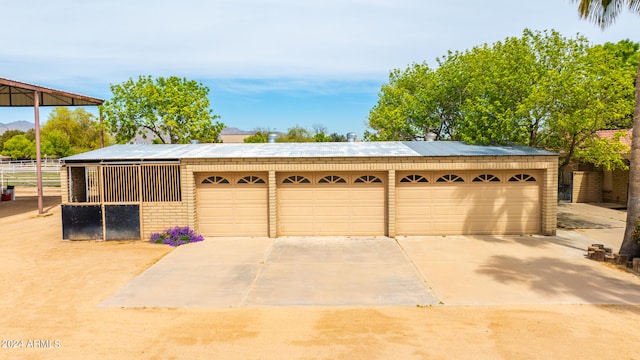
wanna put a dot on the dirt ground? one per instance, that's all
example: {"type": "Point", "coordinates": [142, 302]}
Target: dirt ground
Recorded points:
{"type": "Point", "coordinates": [50, 291]}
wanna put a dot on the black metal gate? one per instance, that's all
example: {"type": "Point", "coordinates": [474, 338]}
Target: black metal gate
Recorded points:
{"type": "Point", "coordinates": [565, 185]}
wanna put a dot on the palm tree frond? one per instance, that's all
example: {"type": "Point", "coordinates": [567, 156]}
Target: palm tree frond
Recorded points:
{"type": "Point", "coordinates": [604, 12]}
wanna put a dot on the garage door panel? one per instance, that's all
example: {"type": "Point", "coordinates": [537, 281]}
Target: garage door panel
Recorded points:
{"type": "Point", "coordinates": [295, 212]}
{"type": "Point", "coordinates": [232, 209]}
{"type": "Point", "coordinates": [251, 195]}
{"type": "Point", "coordinates": [411, 194]}
{"type": "Point", "coordinates": [208, 195]}
{"type": "Point", "coordinates": [330, 208]}
{"type": "Point", "coordinates": [365, 194]}
{"type": "Point", "coordinates": [370, 229]}
{"type": "Point", "coordinates": [332, 194]}
{"type": "Point", "coordinates": [330, 212]}
{"type": "Point", "coordinates": [468, 208]}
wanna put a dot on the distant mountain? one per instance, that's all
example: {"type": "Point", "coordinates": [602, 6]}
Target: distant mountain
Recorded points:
{"type": "Point", "coordinates": [16, 125]}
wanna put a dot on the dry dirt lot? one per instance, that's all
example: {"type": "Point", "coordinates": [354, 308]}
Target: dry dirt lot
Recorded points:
{"type": "Point", "coordinates": [51, 289]}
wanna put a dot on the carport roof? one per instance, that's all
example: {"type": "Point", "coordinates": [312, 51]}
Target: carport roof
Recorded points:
{"type": "Point", "coordinates": [18, 94]}
{"type": "Point", "coordinates": [157, 152]}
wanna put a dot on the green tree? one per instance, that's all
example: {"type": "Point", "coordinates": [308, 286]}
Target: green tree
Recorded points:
{"type": "Point", "coordinates": [541, 90]}
{"type": "Point", "coordinates": [55, 143]}
{"type": "Point", "coordinates": [8, 135]}
{"type": "Point", "coordinates": [335, 137]}
{"type": "Point", "coordinates": [296, 134]}
{"type": "Point", "coordinates": [407, 106]}
{"type": "Point", "coordinates": [261, 136]}
{"type": "Point", "coordinates": [604, 13]}
{"type": "Point", "coordinates": [594, 96]}
{"type": "Point", "coordinates": [320, 133]}
{"type": "Point", "coordinates": [30, 134]}
{"type": "Point", "coordinates": [19, 147]}
{"type": "Point", "coordinates": [173, 110]}
{"type": "Point", "coordinates": [78, 127]}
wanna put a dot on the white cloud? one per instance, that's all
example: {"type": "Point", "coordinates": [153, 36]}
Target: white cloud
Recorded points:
{"type": "Point", "coordinates": [268, 39]}
{"type": "Point", "coordinates": [306, 59]}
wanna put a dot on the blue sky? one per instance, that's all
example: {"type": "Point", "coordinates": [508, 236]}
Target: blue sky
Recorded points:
{"type": "Point", "coordinates": [268, 63]}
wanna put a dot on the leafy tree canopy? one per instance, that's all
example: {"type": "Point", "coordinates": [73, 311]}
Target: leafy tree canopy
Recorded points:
{"type": "Point", "coordinates": [19, 147]}
{"type": "Point", "coordinates": [65, 133]}
{"type": "Point", "coordinates": [8, 135]}
{"type": "Point", "coordinates": [297, 134]}
{"type": "Point", "coordinates": [173, 110]}
{"type": "Point", "coordinates": [540, 89]}
{"type": "Point", "coordinates": [78, 128]}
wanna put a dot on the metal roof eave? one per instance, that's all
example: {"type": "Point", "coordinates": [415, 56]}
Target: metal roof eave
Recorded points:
{"type": "Point", "coordinates": [18, 94]}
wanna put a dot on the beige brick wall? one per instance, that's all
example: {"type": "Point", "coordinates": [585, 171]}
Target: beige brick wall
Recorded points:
{"type": "Point", "coordinates": [587, 187]}
{"type": "Point", "coordinates": [159, 216]}
{"type": "Point", "coordinates": [620, 188]}
{"type": "Point", "coordinates": [391, 203]}
{"type": "Point", "coordinates": [64, 184]}
{"type": "Point", "coordinates": [547, 164]}
{"type": "Point", "coordinates": [549, 206]}
{"type": "Point", "coordinates": [273, 208]}
{"type": "Point", "coordinates": [156, 217]}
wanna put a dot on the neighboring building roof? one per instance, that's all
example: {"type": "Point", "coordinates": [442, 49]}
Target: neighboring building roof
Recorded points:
{"type": "Point", "coordinates": [236, 131]}
{"type": "Point", "coordinates": [156, 152]}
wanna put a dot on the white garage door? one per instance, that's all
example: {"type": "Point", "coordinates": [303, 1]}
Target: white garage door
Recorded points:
{"type": "Point", "coordinates": [232, 204]}
{"type": "Point", "coordinates": [331, 204]}
{"type": "Point", "coordinates": [468, 203]}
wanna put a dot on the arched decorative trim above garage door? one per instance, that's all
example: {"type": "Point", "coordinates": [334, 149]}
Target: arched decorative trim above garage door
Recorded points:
{"type": "Point", "coordinates": [296, 179]}
{"type": "Point", "coordinates": [367, 179]}
{"type": "Point", "coordinates": [486, 178]}
{"type": "Point", "coordinates": [450, 178]}
{"type": "Point", "coordinates": [216, 180]}
{"type": "Point", "coordinates": [232, 204]}
{"type": "Point", "coordinates": [332, 179]}
{"type": "Point", "coordinates": [251, 180]}
{"type": "Point", "coordinates": [414, 179]}
{"type": "Point", "coordinates": [522, 178]}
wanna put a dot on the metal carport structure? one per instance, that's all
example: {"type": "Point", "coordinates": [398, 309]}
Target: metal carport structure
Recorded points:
{"type": "Point", "coordinates": [19, 94]}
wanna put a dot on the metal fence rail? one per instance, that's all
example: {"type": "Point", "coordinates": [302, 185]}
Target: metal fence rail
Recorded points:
{"type": "Point", "coordinates": [23, 173]}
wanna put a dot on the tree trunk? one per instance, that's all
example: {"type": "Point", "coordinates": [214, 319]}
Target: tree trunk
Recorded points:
{"type": "Point", "coordinates": [630, 244]}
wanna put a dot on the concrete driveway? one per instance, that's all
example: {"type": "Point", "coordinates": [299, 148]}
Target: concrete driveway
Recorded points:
{"type": "Point", "coordinates": [408, 271]}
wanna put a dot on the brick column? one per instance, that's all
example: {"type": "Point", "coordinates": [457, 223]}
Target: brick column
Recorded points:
{"type": "Point", "coordinates": [188, 188]}
{"type": "Point", "coordinates": [391, 204]}
{"type": "Point", "coordinates": [272, 202]}
{"type": "Point", "coordinates": [64, 184]}
{"type": "Point", "coordinates": [550, 200]}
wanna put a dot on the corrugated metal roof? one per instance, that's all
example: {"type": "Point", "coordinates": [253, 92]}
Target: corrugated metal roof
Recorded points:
{"type": "Point", "coordinates": [456, 148]}
{"type": "Point", "coordinates": [149, 152]}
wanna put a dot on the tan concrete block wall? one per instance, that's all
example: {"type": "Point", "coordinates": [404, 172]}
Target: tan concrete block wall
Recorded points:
{"type": "Point", "coordinates": [587, 187]}
{"type": "Point", "coordinates": [273, 212]}
{"type": "Point", "coordinates": [64, 184]}
{"type": "Point", "coordinates": [391, 204]}
{"type": "Point", "coordinates": [188, 188]}
{"type": "Point", "coordinates": [156, 217]}
{"type": "Point", "coordinates": [549, 206]}
{"type": "Point", "coordinates": [371, 164]}
{"type": "Point", "coordinates": [547, 164]}
{"type": "Point", "coordinates": [619, 193]}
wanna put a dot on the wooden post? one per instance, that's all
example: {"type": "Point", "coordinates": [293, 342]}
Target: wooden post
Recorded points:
{"type": "Point", "coordinates": [36, 107]}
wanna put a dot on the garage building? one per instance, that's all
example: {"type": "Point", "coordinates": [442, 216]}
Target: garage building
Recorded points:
{"type": "Point", "coordinates": [309, 189]}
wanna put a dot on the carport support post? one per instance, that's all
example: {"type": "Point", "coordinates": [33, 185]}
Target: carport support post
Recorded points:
{"type": "Point", "coordinates": [36, 109]}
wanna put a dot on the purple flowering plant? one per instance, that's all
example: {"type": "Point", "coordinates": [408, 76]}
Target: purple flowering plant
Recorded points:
{"type": "Point", "coordinates": [176, 236]}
